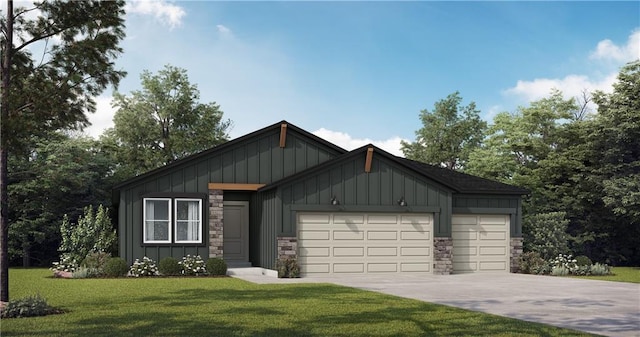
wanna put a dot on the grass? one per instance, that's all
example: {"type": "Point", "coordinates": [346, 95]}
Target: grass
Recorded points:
{"type": "Point", "coordinates": [232, 307]}
{"type": "Point", "coordinates": [619, 274]}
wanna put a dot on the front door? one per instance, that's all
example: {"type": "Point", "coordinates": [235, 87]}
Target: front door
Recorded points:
{"type": "Point", "coordinates": [236, 231]}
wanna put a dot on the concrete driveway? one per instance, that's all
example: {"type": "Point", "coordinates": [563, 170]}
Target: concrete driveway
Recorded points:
{"type": "Point", "coordinates": [600, 307]}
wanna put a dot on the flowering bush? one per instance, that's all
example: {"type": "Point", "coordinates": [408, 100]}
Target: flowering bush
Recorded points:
{"type": "Point", "coordinates": [146, 267]}
{"type": "Point", "coordinates": [193, 265]}
{"type": "Point", "coordinates": [565, 262]}
{"type": "Point", "coordinates": [66, 264]}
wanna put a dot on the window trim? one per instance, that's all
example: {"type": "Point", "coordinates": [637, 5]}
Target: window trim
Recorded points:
{"type": "Point", "coordinates": [200, 220]}
{"type": "Point", "coordinates": [144, 221]}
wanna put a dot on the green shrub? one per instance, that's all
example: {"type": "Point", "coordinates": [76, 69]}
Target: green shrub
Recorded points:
{"type": "Point", "coordinates": [559, 271]}
{"type": "Point", "coordinates": [216, 266]}
{"type": "Point", "coordinates": [83, 272]}
{"type": "Point", "coordinates": [531, 263]}
{"type": "Point", "coordinates": [169, 266]}
{"type": "Point", "coordinates": [28, 307]}
{"type": "Point", "coordinates": [582, 270]}
{"type": "Point", "coordinates": [287, 267]}
{"type": "Point", "coordinates": [146, 267]}
{"type": "Point", "coordinates": [193, 265]}
{"type": "Point", "coordinates": [583, 260]}
{"type": "Point", "coordinates": [546, 234]}
{"type": "Point", "coordinates": [93, 233]}
{"type": "Point", "coordinates": [600, 269]}
{"type": "Point", "coordinates": [116, 267]}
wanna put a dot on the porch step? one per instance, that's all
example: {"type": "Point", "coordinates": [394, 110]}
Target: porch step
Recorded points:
{"type": "Point", "coordinates": [251, 271]}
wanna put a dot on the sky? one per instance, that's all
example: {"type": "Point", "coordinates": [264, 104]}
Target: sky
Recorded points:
{"type": "Point", "coordinates": [361, 72]}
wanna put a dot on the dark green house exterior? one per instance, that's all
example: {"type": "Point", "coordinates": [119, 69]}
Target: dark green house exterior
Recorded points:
{"type": "Point", "coordinates": [282, 192]}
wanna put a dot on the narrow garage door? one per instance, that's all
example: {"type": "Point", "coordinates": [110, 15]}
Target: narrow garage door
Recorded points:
{"type": "Point", "coordinates": [480, 243]}
{"type": "Point", "coordinates": [364, 243]}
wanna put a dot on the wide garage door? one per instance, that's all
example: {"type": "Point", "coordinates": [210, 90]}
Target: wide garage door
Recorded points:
{"type": "Point", "coordinates": [480, 243]}
{"type": "Point", "coordinates": [364, 243]}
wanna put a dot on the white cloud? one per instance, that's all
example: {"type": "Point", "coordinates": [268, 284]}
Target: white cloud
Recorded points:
{"type": "Point", "coordinates": [570, 85]}
{"type": "Point", "coordinates": [344, 140]}
{"type": "Point", "coordinates": [102, 118]}
{"type": "Point", "coordinates": [223, 29]}
{"type": "Point", "coordinates": [607, 50]}
{"type": "Point", "coordinates": [573, 85]}
{"type": "Point", "coordinates": [167, 13]}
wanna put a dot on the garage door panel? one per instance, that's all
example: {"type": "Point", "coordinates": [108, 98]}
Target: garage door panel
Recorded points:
{"type": "Point", "coordinates": [382, 235]}
{"type": "Point", "coordinates": [415, 251]}
{"type": "Point", "coordinates": [465, 266]}
{"type": "Point", "coordinates": [414, 235]}
{"type": "Point", "coordinates": [348, 251]}
{"type": "Point", "coordinates": [382, 267]}
{"type": "Point", "coordinates": [465, 251]}
{"type": "Point", "coordinates": [416, 219]}
{"type": "Point", "coordinates": [314, 218]}
{"type": "Point", "coordinates": [498, 250]}
{"type": "Point", "coordinates": [382, 251]}
{"type": "Point", "coordinates": [316, 268]}
{"type": "Point", "coordinates": [313, 235]}
{"type": "Point", "coordinates": [365, 243]}
{"type": "Point", "coordinates": [348, 267]}
{"type": "Point", "coordinates": [493, 236]}
{"type": "Point", "coordinates": [466, 235]}
{"type": "Point", "coordinates": [415, 267]}
{"type": "Point", "coordinates": [480, 243]}
{"type": "Point", "coordinates": [382, 219]}
{"type": "Point", "coordinates": [348, 235]}
{"type": "Point", "coordinates": [314, 251]}
{"type": "Point", "coordinates": [491, 219]}
{"type": "Point", "coordinates": [348, 219]}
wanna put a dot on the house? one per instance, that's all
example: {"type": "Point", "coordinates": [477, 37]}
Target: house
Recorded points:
{"type": "Point", "coordinates": [284, 192]}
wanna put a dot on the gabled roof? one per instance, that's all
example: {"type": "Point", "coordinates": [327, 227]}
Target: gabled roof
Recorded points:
{"type": "Point", "coordinates": [462, 182]}
{"type": "Point", "coordinates": [456, 181]}
{"type": "Point", "coordinates": [227, 145]}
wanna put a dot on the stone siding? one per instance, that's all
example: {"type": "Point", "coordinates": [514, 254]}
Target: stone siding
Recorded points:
{"type": "Point", "coordinates": [443, 256]}
{"type": "Point", "coordinates": [287, 247]}
{"type": "Point", "coordinates": [216, 223]}
{"type": "Point", "coordinates": [516, 251]}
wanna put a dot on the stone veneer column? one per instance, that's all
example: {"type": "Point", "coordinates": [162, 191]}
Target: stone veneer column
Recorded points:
{"type": "Point", "coordinates": [516, 251]}
{"type": "Point", "coordinates": [443, 256]}
{"type": "Point", "coordinates": [216, 247]}
{"type": "Point", "coordinates": [287, 247]}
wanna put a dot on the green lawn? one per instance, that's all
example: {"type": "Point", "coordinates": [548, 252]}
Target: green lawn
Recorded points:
{"type": "Point", "coordinates": [619, 274]}
{"type": "Point", "coordinates": [232, 307]}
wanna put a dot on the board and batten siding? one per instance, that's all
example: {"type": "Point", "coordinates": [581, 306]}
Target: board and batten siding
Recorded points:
{"type": "Point", "coordinates": [491, 204]}
{"type": "Point", "coordinates": [255, 160]}
{"type": "Point", "coordinates": [359, 191]}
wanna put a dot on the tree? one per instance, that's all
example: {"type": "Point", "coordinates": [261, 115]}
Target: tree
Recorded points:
{"type": "Point", "coordinates": [53, 90]}
{"type": "Point", "coordinates": [163, 122]}
{"type": "Point", "coordinates": [60, 175]}
{"type": "Point", "coordinates": [449, 134]}
{"type": "Point", "coordinates": [93, 233]}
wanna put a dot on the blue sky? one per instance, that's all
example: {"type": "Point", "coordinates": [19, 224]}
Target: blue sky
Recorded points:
{"type": "Point", "coordinates": [360, 72]}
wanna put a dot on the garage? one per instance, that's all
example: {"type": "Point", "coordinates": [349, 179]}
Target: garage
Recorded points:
{"type": "Point", "coordinates": [359, 243]}
{"type": "Point", "coordinates": [480, 243]}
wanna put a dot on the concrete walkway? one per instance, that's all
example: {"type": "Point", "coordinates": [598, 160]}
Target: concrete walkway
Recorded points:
{"type": "Point", "coordinates": [600, 307]}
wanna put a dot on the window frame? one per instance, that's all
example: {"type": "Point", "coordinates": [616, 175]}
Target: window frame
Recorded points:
{"type": "Point", "coordinates": [171, 197]}
{"type": "Point", "coordinates": [144, 221]}
{"type": "Point", "coordinates": [200, 221]}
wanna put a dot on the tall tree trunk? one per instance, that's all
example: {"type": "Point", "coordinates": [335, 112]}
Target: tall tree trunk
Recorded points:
{"type": "Point", "coordinates": [26, 255]}
{"type": "Point", "coordinates": [7, 50]}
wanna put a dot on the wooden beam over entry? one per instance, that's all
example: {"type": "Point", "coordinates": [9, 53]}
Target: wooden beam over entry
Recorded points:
{"type": "Point", "coordinates": [367, 163]}
{"type": "Point", "coordinates": [283, 135]}
{"type": "Point", "coordinates": [234, 187]}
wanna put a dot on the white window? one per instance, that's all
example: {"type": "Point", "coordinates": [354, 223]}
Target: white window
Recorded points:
{"type": "Point", "coordinates": [157, 217]}
{"type": "Point", "coordinates": [188, 220]}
